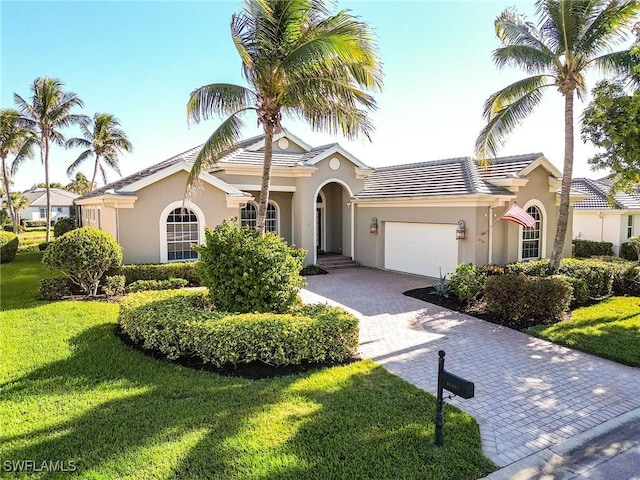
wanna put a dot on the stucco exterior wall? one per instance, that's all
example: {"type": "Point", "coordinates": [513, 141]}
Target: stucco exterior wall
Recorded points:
{"type": "Point", "coordinates": [283, 202]}
{"type": "Point", "coordinates": [304, 204]}
{"type": "Point", "coordinates": [139, 227]}
{"type": "Point", "coordinates": [604, 226]}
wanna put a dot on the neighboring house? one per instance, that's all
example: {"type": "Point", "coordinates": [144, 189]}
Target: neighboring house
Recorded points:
{"type": "Point", "coordinates": [61, 204]}
{"type": "Point", "coordinates": [598, 219]}
{"type": "Point", "coordinates": [324, 199]}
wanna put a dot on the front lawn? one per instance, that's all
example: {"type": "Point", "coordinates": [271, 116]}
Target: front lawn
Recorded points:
{"type": "Point", "coordinates": [71, 390]}
{"type": "Point", "coordinates": [609, 329]}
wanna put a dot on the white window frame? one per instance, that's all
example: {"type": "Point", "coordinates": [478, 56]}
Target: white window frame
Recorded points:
{"type": "Point", "coordinates": [629, 226]}
{"type": "Point", "coordinates": [255, 205]}
{"type": "Point", "coordinates": [162, 226]}
{"type": "Point", "coordinates": [542, 248]}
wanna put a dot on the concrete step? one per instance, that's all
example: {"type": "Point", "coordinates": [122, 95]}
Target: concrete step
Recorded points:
{"type": "Point", "coordinates": [335, 261]}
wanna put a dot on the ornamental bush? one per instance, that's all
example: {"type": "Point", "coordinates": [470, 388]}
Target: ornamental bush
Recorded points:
{"type": "Point", "coordinates": [579, 290]}
{"type": "Point", "coordinates": [113, 285]}
{"type": "Point", "coordinates": [181, 323]}
{"type": "Point", "coordinates": [84, 255]}
{"type": "Point", "coordinates": [169, 284]}
{"type": "Point", "coordinates": [535, 268]}
{"type": "Point", "coordinates": [247, 271]}
{"type": "Point", "coordinates": [63, 226]}
{"type": "Point", "coordinates": [8, 246]}
{"type": "Point", "coordinates": [54, 288]}
{"type": "Point", "coordinates": [521, 301]}
{"type": "Point", "coordinates": [159, 271]}
{"type": "Point", "coordinates": [467, 282]}
{"type": "Point", "coordinates": [588, 248]}
{"type": "Point", "coordinates": [628, 252]}
{"type": "Point", "coordinates": [597, 274]}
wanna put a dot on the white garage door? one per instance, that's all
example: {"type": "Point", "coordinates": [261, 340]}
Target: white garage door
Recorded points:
{"type": "Point", "coordinates": [420, 248]}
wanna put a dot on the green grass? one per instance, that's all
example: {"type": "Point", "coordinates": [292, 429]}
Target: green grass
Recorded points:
{"type": "Point", "coordinates": [70, 390]}
{"type": "Point", "coordinates": [19, 280]}
{"type": "Point", "coordinates": [609, 329]}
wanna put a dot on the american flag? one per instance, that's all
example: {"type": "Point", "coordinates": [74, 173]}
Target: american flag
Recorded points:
{"type": "Point", "coordinates": [519, 216]}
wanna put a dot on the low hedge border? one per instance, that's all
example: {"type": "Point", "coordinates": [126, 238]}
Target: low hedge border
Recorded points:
{"type": "Point", "coordinates": [180, 323]}
{"type": "Point", "coordinates": [159, 271]}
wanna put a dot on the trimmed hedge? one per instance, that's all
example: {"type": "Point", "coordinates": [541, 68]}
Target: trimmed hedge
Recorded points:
{"type": "Point", "coordinates": [521, 301]}
{"type": "Point", "coordinates": [534, 268]}
{"type": "Point", "coordinates": [64, 225]}
{"type": "Point", "coordinates": [588, 248]}
{"type": "Point", "coordinates": [627, 282]}
{"type": "Point", "coordinates": [55, 288]}
{"type": "Point", "coordinates": [159, 271]}
{"type": "Point", "coordinates": [169, 284]}
{"type": "Point", "coordinates": [628, 252]}
{"type": "Point", "coordinates": [579, 292]}
{"type": "Point", "coordinates": [8, 246]}
{"type": "Point", "coordinates": [181, 323]}
{"type": "Point", "coordinates": [597, 274]}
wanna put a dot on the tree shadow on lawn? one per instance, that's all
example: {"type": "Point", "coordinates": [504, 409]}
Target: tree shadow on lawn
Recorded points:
{"type": "Point", "coordinates": [121, 413]}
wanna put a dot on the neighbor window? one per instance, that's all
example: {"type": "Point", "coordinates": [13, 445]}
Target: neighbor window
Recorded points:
{"type": "Point", "coordinates": [182, 232]}
{"type": "Point", "coordinates": [43, 213]}
{"type": "Point", "coordinates": [59, 209]}
{"type": "Point", "coordinates": [531, 236]}
{"type": "Point", "coordinates": [630, 226]}
{"type": "Point", "coordinates": [249, 217]}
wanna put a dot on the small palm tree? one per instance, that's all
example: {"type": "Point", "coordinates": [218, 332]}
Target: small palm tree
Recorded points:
{"type": "Point", "coordinates": [571, 37]}
{"type": "Point", "coordinates": [297, 59]}
{"type": "Point", "coordinates": [48, 112]}
{"type": "Point", "coordinates": [80, 184]}
{"type": "Point", "coordinates": [18, 140]}
{"type": "Point", "coordinates": [19, 202]}
{"type": "Point", "coordinates": [104, 140]}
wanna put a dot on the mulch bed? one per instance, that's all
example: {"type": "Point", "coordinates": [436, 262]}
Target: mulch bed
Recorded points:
{"type": "Point", "coordinates": [428, 295]}
{"type": "Point", "coordinates": [253, 371]}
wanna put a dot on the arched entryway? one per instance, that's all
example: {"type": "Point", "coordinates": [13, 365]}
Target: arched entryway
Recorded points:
{"type": "Point", "coordinates": [334, 217]}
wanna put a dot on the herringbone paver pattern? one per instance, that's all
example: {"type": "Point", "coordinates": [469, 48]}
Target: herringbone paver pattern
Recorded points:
{"type": "Point", "coordinates": [530, 394]}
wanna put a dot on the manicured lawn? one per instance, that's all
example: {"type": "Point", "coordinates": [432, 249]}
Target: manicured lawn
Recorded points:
{"type": "Point", "coordinates": [70, 390]}
{"type": "Point", "coordinates": [609, 329]}
{"type": "Point", "coordinates": [31, 237]}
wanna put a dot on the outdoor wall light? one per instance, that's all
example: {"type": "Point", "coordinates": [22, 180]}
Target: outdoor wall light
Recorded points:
{"type": "Point", "coordinates": [460, 230]}
{"type": "Point", "coordinates": [373, 228]}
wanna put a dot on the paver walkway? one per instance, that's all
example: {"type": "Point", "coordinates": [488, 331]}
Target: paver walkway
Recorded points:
{"type": "Point", "coordinates": [530, 394]}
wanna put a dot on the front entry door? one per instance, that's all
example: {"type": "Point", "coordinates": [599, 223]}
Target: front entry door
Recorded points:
{"type": "Point", "coordinates": [319, 230]}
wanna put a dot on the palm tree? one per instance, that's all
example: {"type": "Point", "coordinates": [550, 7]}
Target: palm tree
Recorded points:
{"type": "Point", "coordinates": [48, 112]}
{"type": "Point", "coordinates": [571, 37]}
{"type": "Point", "coordinates": [297, 59]}
{"type": "Point", "coordinates": [19, 202]}
{"type": "Point", "coordinates": [80, 184]}
{"type": "Point", "coordinates": [104, 140]}
{"type": "Point", "coordinates": [18, 140]}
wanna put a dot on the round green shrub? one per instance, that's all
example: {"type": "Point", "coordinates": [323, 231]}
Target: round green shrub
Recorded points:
{"type": "Point", "coordinates": [84, 255]}
{"type": "Point", "coordinates": [580, 290]}
{"type": "Point", "coordinates": [8, 246]}
{"type": "Point", "coordinates": [54, 288]}
{"type": "Point", "coordinates": [247, 271]}
{"type": "Point", "coordinates": [63, 226]}
{"type": "Point", "coordinates": [180, 323]}
{"type": "Point", "coordinates": [467, 282]}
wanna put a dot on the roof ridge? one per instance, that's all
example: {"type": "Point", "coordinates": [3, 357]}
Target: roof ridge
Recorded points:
{"type": "Point", "coordinates": [473, 174]}
{"type": "Point", "coordinates": [521, 156]}
{"type": "Point", "coordinates": [425, 163]}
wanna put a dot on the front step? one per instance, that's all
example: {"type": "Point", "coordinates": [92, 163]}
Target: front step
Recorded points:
{"type": "Point", "coordinates": [330, 262]}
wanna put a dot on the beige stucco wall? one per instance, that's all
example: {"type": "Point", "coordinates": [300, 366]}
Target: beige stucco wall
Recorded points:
{"type": "Point", "coordinates": [283, 201]}
{"type": "Point", "coordinates": [370, 246]}
{"type": "Point", "coordinates": [304, 204]}
{"type": "Point", "coordinates": [138, 228]}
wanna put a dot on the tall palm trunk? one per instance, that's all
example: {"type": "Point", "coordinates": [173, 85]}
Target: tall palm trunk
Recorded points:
{"type": "Point", "coordinates": [5, 178]}
{"type": "Point", "coordinates": [563, 212]}
{"type": "Point", "coordinates": [266, 177]}
{"type": "Point", "coordinates": [46, 179]}
{"type": "Point", "coordinates": [95, 172]}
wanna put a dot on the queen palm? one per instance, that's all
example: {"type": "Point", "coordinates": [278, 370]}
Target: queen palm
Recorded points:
{"type": "Point", "coordinates": [15, 139]}
{"type": "Point", "coordinates": [48, 112]}
{"type": "Point", "coordinates": [297, 59]}
{"type": "Point", "coordinates": [104, 140]}
{"type": "Point", "coordinates": [571, 37]}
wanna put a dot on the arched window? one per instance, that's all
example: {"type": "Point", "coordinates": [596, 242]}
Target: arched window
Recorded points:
{"type": "Point", "coordinates": [182, 232]}
{"type": "Point", "coordinates": [531, 237]}
{"type": "Point", "coordinates": [249, 217]}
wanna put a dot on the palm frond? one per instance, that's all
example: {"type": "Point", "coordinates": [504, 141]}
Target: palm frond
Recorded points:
{"type": "Point", "coordinates": [511, 93]}
{"type": "Point", "coordinates": [619, 63]}
{"type": "Point", "coordinates": [77, 143]}
{"type": "Point", "coordinates": [78, 161]}
{"type": "Point", "coordinates": [608, 26]}
{"type": "Point", "coordinates": [221, 140]}
{"type": "Point", "coordinates": [505, 110]}
{"type": "Point", "coordinates": [218, 99]}
{"type": "Point", "coordinates": [529, 58]}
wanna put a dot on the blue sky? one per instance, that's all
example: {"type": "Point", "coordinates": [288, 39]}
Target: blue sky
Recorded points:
{"type": "Point", "coordinates": [140, 60]}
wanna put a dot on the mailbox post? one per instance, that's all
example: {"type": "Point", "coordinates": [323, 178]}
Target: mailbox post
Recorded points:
{"type": "Point", "coordinates": [456, 385]}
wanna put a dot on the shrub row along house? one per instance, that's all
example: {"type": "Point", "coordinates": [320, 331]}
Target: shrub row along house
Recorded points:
{"type": "Point", "coordinates": [416, 218]}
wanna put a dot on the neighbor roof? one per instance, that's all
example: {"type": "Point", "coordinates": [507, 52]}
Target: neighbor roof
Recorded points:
{"type": "Point", "coordinates": [59, 198]}
{"type": "Point", "coordinates": [599, 192]}
{"type": "Point", "coordinates": [452, 176]}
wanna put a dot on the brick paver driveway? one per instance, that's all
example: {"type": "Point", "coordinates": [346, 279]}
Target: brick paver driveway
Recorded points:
{"type": "Point", "coordinates": [530, 394]}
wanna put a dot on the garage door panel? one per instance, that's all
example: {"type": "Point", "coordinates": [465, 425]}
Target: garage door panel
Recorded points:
{"type": "Point", "coordinates": [420, 248]}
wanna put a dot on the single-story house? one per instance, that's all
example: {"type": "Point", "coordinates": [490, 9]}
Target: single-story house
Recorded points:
{"type": "Point", "coordinates": [601, 217]}
{"type": "Point", "coordinates": [61, 204]}
{"type": "Point", "coordinates": [414, 218]}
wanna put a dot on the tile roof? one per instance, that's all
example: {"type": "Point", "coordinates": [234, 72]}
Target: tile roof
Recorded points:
{"type": "Point", "coordinates": [452, 176]}
{"type": "Point", "coordinates": [59, 198]}
{"type": "Point", "coordinates": [599, 192]}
